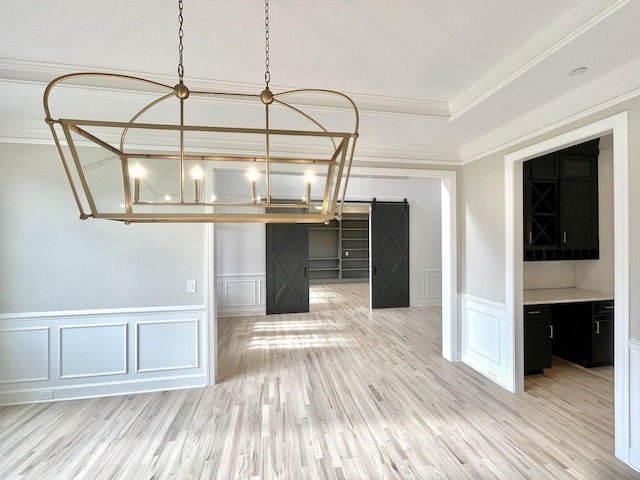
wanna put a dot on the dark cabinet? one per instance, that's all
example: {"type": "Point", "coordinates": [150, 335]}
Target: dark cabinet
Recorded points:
{"type": "Point", "coordinates": [584, 332]}
{"type": "Point", "coordinates": [538, 333]}
{"type": "Point", "coordinates": [580, 332]}
{"type": "Point", "coordinates": [561, 204]}
{"type": "Point", "coordinates": [572, 325]}
{"type": "Point", "coordinates": [601, 334]}
{"type": "Point", "coordinates": [541, 215]}
{"type": "Point", "coordinates": [578, 215]}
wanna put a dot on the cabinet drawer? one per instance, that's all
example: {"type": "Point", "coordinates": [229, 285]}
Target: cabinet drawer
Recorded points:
{"type": "Point", "coordinates": [537, 311]}
{"type": "Point", "coordinates": [604, 307]}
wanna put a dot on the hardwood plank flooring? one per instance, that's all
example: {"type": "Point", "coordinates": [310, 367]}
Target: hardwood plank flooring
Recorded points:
{"type": "Point", "coordinates": [341, 392]}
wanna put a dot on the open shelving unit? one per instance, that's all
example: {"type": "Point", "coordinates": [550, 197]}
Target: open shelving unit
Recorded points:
{"type": "Point", "coordinates": [339, 250]}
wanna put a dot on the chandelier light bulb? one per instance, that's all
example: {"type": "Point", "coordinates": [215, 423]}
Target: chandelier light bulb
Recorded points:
{"type": "Point", "coordinates": [197, 173]}
{"type": "Point", "coordinates": [136, 170]}
{"type": "Point", "coordinates": [253, 175]}
{"type": "Point", "coordinates": [309, 177]}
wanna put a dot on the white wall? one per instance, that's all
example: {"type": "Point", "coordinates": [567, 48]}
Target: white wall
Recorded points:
{"type": "Point", "coordinates": [241, 256]}
{"type": "Point", "coordinates": [50, 260]}
{"type": "Point", "coordinates": [91, 307]}
{"type": "Point", "coordinates": [481, 225]}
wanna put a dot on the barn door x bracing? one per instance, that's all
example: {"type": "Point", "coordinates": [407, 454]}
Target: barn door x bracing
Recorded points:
{"type": "Point", "coordinates": [287, 270]}
{"type": "Point", "coordinates": [389, 254]}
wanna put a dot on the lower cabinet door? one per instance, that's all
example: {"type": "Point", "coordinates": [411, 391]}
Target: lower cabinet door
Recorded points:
{"type": "Point", "coordinates": [537, 345]}
{"type": "Point", "coordinates": [602, 342]}
{"type": "Point", "coordinates": [572, 331]}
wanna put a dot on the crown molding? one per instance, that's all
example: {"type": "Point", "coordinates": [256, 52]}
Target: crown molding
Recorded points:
{"type": "Point", "coordinates": [22, 71]}
{"type": "Point", "coordinates": [554, 36]}
{"type": "Point", "coordinates": [25, 132]}
{"type": "Point", "coordinates": [406, 154]}
{"type": "Point", "coordinates": [38, 133]}
{"type": "Point", "coordinates": [603, 92]}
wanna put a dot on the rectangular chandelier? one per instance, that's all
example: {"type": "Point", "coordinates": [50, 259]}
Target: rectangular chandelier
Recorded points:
{"type": "Point", "coordinates": [135, 150]}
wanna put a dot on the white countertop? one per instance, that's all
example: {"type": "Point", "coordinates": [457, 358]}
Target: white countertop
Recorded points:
{"type": "Point", "coordinates": [563, 295]}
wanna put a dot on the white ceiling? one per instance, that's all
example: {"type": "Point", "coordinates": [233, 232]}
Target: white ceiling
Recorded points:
{"type": "Point", "coordinates": [440, 74]}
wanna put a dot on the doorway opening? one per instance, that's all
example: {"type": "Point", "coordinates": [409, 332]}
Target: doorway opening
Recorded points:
{"type": "Point", "coordinates": [236, 278]}
{"type": "Point", "coordinates": [514, 281]}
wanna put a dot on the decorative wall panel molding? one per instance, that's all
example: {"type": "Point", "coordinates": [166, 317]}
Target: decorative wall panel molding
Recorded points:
{"type": "Point", "coordinates": [24, 354]}
{"type": "Point", "coordinates": [484, 342]}
{"type": "Point", "coordinates": [93, 350]}
{"type": "Point", "coordinates": [167, 345]}
{"type": "Point", "coordinates": [240, 295]}
{"type": "Point", "coordinates": [48, 356]}
{"type": "Point", "coordinates": [425, 288]}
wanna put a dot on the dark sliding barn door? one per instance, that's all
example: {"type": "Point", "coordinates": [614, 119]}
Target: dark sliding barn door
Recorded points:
{"type": "Point", "coordinates": [287, 270]}
{"type": "Point", "coordinates": [389, 254]}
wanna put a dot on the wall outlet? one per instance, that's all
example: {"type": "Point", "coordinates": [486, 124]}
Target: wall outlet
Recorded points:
{"type": "Point", "coordinates": [191, 286]}
{"type": "Point", "coordinates": [45, 395]}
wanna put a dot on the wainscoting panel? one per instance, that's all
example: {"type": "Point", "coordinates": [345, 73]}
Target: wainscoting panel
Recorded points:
{"type": "Point", "coordinates": [634, 403]}
{"type": "Point", "coordinates": [240, 295]}
{"type": "Point", "coordinates": [484, 332]}
{"type": "Point", "coordinates": [78, 354]}
{"type": "Point", "coordinates": [425, 288]}
{"type": "Point", "coordinates": [24, 355]}
{"type": "Point", "coordinates": [166, 345]}
{"type": "Point", "coordinates": [93, 350]}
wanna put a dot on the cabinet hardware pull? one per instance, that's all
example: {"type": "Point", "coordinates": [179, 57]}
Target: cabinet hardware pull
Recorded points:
{"type": "Point", "coordinates": [609, 307]}
{"type": "Point", "coordinates": [564, 237]}
{"type": "Point", "coordinates": [534, 312]}
{"type": "Point", "coordinates": [530, 237]}
{"type": "Point", "coordinates": [597, 327]}
{"type": "Point", "coordinates": [550, 331]}
{"type": "Point", "coordinates": [305, 272]}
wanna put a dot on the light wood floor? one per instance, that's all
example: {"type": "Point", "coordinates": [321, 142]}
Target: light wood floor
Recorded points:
{"type": "Point", "coordinates": [338, 393]}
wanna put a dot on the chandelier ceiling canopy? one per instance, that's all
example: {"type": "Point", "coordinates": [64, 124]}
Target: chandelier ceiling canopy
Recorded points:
{"type": "Point", "coordinates": [136, 150]}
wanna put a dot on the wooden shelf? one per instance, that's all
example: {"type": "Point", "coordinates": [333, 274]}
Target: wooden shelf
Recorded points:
{"type": "Point", "coordinates": [340, 251]}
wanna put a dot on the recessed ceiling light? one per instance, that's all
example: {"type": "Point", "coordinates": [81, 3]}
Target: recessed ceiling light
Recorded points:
{"type": "Point", "coordinates": [578, 71]}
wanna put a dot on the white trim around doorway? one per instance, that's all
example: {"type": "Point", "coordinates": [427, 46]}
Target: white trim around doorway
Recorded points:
{"type": "Point", "coordinates": [450, 328]}
{"type": "Point", "coordinates": [617, 125]}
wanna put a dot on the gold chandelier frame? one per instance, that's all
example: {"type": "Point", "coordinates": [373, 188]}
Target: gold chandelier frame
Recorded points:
{"type": "Point", "coordinates": [147, 136]}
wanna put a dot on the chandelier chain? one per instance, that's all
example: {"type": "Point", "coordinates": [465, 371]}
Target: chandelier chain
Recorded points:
{"type": "Point", "coordinates": [180, 46]}
{"type": "Point", "coordinates": [267, 74]}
